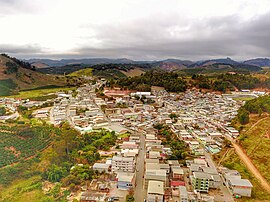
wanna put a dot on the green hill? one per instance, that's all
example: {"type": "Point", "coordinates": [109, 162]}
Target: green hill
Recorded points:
{"type": "Point", "coordinates": [16, 75]}
{"type": "Point", "coordinates": [82, 72]}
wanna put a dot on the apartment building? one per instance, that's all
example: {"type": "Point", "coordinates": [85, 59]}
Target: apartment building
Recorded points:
{"type": "Point", "coordinates": [125, 164]}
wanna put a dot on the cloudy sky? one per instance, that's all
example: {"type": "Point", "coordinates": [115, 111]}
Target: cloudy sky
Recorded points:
{"type": "Point", "coordinates": [135, 29]}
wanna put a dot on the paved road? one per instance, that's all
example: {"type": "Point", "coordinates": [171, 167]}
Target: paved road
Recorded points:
{"type": "Point", "coordinates": [226, 194]}
{"type": "Point", "coordinates": [139, 191]}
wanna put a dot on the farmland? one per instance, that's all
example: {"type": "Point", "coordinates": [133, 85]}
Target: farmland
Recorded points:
{"type": "Point", "coordinates": [39, 93]}
{"type": "Point", "coordinates": [20, 142]}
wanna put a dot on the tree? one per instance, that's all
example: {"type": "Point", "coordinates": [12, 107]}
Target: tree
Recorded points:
{"type": "Point", "coordinates": [243, 116]}
{"type": "Point", "coordinates": [2, 111]}
{"type": "Point", "coordinates": [55, 173]}
{"type": "Point", "coordinates": [173, 116]}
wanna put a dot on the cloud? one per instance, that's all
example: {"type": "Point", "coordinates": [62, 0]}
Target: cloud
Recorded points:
{"type": "Point", "coordinates": [157, 30]}
{"type": "Point", "coordinates": [162, 37]}
{"type": "Point", "coordinates": [15, 7]}
{"type": "Point", "coordinates": [21, 49]}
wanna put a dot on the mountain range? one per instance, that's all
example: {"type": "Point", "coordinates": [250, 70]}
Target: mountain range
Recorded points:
{"type": "Point", "coordinates": [167, 64]}
{"type": "Point", "coordinates": [70, 65]}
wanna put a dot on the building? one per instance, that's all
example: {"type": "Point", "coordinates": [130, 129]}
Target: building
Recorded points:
{"type": "Point", "coordinates": [200, 181]}
{"type": "Point", "coordinates": [241, 187]}
{"type": "Point", "coordinates": [156, 175]}
{"type": "Point", "coordinates": [176, 184]}
{"type": "Point", "coordinates": [154, 155]}
{"type": "Point", "coordinates": [177, 173]}
{"type": "Point", "coordinates": [126, 164]}
{"type": "Point", "coordinates": [125, 181]}
{"type": "Point", "coordinates": [101, 167]}
{"type": "Point", "coordinates": [155, 192]}
{"type": "Point", "coordinates": [183, 194]}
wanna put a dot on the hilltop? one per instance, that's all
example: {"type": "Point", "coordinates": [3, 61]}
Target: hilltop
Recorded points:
{"type": "Point", "coordinates": [119, 67]}
{"type": "Point", "coordinates": [260, 62]}
{"type": "Point", "coordinates": [16, 75]}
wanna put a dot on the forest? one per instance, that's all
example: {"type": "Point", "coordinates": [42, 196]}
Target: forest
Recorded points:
{"type": "Point", "coordinates": [255, 106]}
{"type": "Point", "coordinates": [169, 80]}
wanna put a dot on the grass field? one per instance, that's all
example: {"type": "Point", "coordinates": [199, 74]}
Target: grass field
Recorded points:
{"type": "Point", "coordinates": [232, 161]}
{"type": "Point", "coordinates": [6, 87]}
{"type": "Point", "coordinates": [243, 98]}
{"type": "Point", "coordinates": [24, 190]}
{"type": "Point", "coordinates": [36, 93]}
{"type": "Point", "coordinates": [133, 72]}
{"type": "Point", "coordinates": [256, 142]}
{"type": "Point", "coordinates": [82, 72]}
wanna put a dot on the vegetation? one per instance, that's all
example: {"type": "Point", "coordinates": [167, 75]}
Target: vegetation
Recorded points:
{"type": "Point", "coordinates": [178, 147]}
{"type": "Point", "coordinates": [108, 73]}
{"type": "Point", "coordinates": [7, 86]}
{"type": "Point", "coordinates": [82, 72]}
{"type": "Point", "coordinates": [18, 62]}
{"type": "Point", "coordinates": [223, 82]}
{"type": "Point", "coordinates": [256, 142]}
{"type": "Point", "coordinates": [11, 68]}
{"type": "Point", "coordinates": [72, 148]}
{"type": "Point", "coordinates": [170, 81]}
{"type": "Point", "coordinates": [23, 181]}
{"type": "Point", "coordinates": [243, 116]}
{"type": "Point", "coordinates": [130, 198]}
{"type": "Point", "coordinates": [232, 161]}
{"type": "Point", "coordinates": [20, 142]}
{"type": "Point", "coordinates": [2, 111]}
{"type": "Point", "coordinates": [39, 93]}
{"type": "Point", "coordinates": [258, 105]}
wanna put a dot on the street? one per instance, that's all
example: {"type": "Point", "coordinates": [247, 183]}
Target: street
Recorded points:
{"type": "Point", "coordinates": [139, 190]}
{"type": "Point", "coordinates": [226, 194]}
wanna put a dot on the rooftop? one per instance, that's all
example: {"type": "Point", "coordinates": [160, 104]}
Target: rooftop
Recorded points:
{"type": "Point", "coordinates": [240, 182]}
{"type": "Point", "coordinates": [155, 187]}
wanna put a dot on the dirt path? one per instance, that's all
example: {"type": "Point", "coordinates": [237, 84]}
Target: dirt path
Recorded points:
{"type": "Point", "coordinates": [7, 131]}
{"type": "Point", "coordinates": [247, 161]}
{"type": "Point", "coordinates": [255, 124]}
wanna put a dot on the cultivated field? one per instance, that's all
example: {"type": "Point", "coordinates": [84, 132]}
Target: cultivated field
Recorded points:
{"type": "Point", "coordinates": [20, 142]}
{"type": "Point", "coordinates": [37, 93]}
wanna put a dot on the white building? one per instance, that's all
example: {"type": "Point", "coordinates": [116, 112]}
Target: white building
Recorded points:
{"type": "Point", "coordinates": [126, 164]}
{"type": "Point", "coordinates": [101, 167]}
{"type": "Point", "coordinates": [155, 192]}
{"type": "Point", "coordinates": [241, 187]}
{"type": "Point", "coordinates": [183, 194]}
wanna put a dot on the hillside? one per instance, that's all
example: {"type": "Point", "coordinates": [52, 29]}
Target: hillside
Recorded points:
{"type": "Point", "coordinates": [260, 62]}
{"type": "Point", "coordinates": [82, 72]}
{"type": "Point", "coordinates": [15, 76]}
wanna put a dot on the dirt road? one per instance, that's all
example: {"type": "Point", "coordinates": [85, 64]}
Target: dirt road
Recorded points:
{"type": "Point", "coordinates": [246, 160]}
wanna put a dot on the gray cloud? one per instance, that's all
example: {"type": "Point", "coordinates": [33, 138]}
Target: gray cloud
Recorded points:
{"type": "Point", "coordinates": [171, 36]}
{"type": "Point", "coordinates": [19, 50]}
{"type": "Point", "coordinates": [167, 36]}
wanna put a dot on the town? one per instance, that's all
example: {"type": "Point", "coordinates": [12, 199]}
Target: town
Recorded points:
{"type": "Point", "coordinates": [143, 165]}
